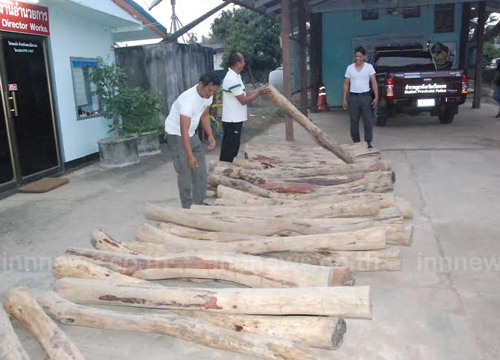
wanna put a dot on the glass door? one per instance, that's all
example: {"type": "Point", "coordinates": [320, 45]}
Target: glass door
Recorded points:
{"type": "Point", "coordinates": [28, 103]}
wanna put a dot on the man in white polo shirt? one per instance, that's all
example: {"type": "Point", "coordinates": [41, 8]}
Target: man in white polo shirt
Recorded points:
{"type": "Point", "coordinates": [358, 97]}
{"type": "Point", "coordinates": [234, 106]}
{"type": "Point", "coordinates": [188, 155]}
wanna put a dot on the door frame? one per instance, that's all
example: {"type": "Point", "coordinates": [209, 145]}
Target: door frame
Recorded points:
{"type": "Point", "coordinates": [56, 170]}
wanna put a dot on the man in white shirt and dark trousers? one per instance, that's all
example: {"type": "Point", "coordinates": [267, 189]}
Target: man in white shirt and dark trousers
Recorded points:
{"type": "Point", "coordinates": [234, 106]}
{"type": "Point", "coordinates": [185, 146]}
{"type": "Point", "coordinates": [358, 96]}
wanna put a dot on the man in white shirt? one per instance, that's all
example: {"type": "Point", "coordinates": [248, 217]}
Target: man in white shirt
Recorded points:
{"type": "Point", "coordinates": [188, 155]}
{"type": "Point", "coordinates": [358, 96]}
{"type": "Point", "coordinates": [234, 106]}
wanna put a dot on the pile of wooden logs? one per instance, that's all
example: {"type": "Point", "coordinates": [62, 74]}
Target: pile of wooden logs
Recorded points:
{"type": "Point", "coordinates": [289, 228]}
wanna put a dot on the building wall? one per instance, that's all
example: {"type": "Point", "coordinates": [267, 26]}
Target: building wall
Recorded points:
{"type": "Point", "coordinates": [341, 29]}
{"type": "Point", "coordinates": [75, 37]}
{"type": "Point", "coordinates": [169, 68]}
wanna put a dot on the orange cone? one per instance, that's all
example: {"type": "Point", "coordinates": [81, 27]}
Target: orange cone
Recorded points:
{"type": "Point", "coordinates": [322, 104]}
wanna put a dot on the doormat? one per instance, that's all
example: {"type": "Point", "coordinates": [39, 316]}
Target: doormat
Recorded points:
{"type": "Point", "coordinates": [43, 185]}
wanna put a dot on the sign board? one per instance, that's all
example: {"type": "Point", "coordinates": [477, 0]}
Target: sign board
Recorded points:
{"type": "Point", "coordinates": [20, 17]}
{"type": "Point", "coordinates": [12, 87]}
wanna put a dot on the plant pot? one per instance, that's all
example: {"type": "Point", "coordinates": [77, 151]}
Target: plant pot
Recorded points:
{"type": "Point", "coordinates": [149, 143]}
{"type": "Point", "coordinates": [119, 152]}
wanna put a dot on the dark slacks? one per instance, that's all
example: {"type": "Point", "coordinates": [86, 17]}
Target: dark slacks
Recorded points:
{"type": "Point", "coordinates": [231, 141]}
{"type": "Point", "coordinates": [361, 105]}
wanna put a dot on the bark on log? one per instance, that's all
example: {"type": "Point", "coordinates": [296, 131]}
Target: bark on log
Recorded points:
{"type": "Point", "coordinates": [251, 271]}
{"type": "Point", "coordinates": [367, 239]}
{"type": "Point", "coordinates": [345, 301]}
{"type": "Point", "coordinates": [242, 185]}
{"type": "Point", "coordinates": [353, 208]}
{"type": "Point", "coordinates": [183, 327]}
{"type": "Point", "coordinates": [249, 164]}
{"type": "Point", "coordinates": [23, 306]}
{"type": "Point", "coordinates": [378, 260]}
{"type": "Point", "coordinates": [186, 218]}
{"type": "Point", "coordinates": [319, 332]}
{"type": "Point", "coordinates": [10, 345]}
{"type": "Point", "coordinates": [322, 138]}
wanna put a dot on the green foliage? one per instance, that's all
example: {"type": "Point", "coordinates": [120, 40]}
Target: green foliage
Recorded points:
{"type": "Point", "coordinates": [280, 113]}
{"type": "Point", "coordinates": [252, 34]}
{"type": "Point", "coordinates": [490, 52]}
{"type": "Point", "coordinates": [139, 109]}
{"type": "Point", "coordinates": [110, 82]}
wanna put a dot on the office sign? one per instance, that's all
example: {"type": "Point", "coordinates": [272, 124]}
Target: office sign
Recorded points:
{"type": "Point", "coordinates": [20, 17]}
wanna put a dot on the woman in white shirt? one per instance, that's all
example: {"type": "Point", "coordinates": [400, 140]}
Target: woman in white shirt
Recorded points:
{"type": "Point", "coordinates": [358, 97]}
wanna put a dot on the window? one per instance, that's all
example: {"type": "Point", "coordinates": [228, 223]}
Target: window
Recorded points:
{"type": "Point", "coordinates": [444, 18]}
{"type": "Point", "coordinates": [87, 104]}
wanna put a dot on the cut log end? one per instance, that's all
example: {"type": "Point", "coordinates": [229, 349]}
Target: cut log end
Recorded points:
{"type": "Point", "coordinates": [341, 276]}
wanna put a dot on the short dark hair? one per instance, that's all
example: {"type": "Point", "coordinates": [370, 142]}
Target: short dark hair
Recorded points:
{"type": "Point", "coordinates": [210, 78]}
{"type": "Point", "coordinates": [233, 58]}
{"type": "Point", "coordinates": [361, 50]}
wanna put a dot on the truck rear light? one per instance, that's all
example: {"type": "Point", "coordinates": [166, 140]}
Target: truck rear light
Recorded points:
{"type": "Point", "coordinates": [465, 86]}
{"type": "Point", "coordinates": [389, 87]}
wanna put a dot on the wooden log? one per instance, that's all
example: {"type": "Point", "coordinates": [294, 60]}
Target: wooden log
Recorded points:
{"type": "Point", "coordinates": [345, 301]}
{"type": "Point", "coordinates": [288, 172]}
{"type": "Point", "coordinates": [319, 332]}
{"type": "Point", "coordinates": [232, 197]}
{"type": "Point", "coordinates": [187, 218]}
{"type": "Point", "coordinates": [353, 208]}
{"type": "Point", "coordinates": [148, 233]}
{"type": "Point", "coordinates": [249, 164]}
{"type": "Point", "coordinates": [76, 266]}
{"type": "Point", "coordinates": [198, 331]}
{"type": "Point", "coordinates": [398, 231]}
{"type": "Point", "coordinates": [322, 138]}
{"type": "Point", "coordinates": [251, 271]}
{"type": "Point", "coordinates": [10, 345]}
{"type": "Point", "coordinates": [104, 242]}
{"type": "Point", "coordinates": [366, 239]}
{"type": "Point", "coordinates": [378, 260]}
{"type": "Point", "coordinates": [21, 304]}
{"type": "Point", "coordinates": [242, 185]}
{"type": "Point", "coordinates": [380, 182]}
{"type": "Point", "coordinates": [404, 207]}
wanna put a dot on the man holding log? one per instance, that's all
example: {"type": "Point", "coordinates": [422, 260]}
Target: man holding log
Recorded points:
{"type": "Point", "coordinates": [358, 96]}
{"type": "Point", "coordinates": [234, 106]}
{"type": "Point", "coordinates": [187, 152]}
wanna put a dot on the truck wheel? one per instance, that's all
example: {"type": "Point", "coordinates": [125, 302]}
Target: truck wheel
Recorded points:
{"type": "Point", "coordinates": [379, 120]}
{"type": "Point", "coordinates": [446, 117]}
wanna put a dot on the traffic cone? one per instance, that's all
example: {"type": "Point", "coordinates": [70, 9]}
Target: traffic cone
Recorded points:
{"type": "Point", "coordinates": [322, 104]}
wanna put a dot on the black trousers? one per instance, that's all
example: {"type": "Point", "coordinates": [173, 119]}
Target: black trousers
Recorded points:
{"type": "Point", "coordinates": [361, 105]}
{"type": "Point", "coordinates": [231, 141]}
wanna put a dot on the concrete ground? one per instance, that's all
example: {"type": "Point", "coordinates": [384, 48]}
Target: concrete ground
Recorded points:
{"type": "Point", "coordinates": [445, 304]}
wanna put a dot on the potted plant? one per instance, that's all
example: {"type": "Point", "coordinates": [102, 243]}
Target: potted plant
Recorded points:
{"type": "Point", "coordinates": [110, 82]}
{"type": "Point", "coordinates": [140, 110]}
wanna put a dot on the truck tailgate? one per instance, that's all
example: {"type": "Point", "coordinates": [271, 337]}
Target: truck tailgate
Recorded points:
{"type": "Point", "coordinates": [428, 84]}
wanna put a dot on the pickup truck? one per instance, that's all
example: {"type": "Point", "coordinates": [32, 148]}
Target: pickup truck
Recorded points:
{"type": "Point", "coordinates": [411, 82]}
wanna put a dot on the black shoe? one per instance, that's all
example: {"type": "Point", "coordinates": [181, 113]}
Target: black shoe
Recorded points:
{"type": "Point", "coordinates": [206, 204]}
{"type": "Point", "coordinates": [369, 145]}
{"type": "Point", "coordinates": [498, 116]}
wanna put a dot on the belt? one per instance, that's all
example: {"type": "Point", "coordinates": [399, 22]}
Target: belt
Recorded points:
{"type": "Point", "coordinates": [360, 94]}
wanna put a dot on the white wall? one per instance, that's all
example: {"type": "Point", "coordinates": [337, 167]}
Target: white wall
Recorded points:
{"type": "Point", "coordinates": [75, 37]}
